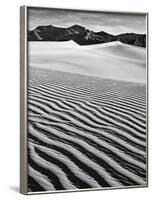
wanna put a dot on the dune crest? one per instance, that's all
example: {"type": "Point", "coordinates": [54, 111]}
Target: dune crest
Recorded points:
{"type": "Point", "coordinates": [112, 60]}
{"type": "Point", "coordinates": [120, 49]}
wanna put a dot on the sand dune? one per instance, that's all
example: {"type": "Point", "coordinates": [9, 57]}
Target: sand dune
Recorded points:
{"type": "Point", "coordinates": [120, 50]}
{"type": "Point", "coordinates": [85, 131]}
{"type": "Point", "coordinates": [112, 60]}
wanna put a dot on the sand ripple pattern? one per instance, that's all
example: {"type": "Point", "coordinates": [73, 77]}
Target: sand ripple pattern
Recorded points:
{"type": "Point", "coordinates": [85, 132]}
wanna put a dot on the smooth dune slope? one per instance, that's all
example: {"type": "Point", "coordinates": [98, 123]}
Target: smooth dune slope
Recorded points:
{"type": "Point", "coordinates": [84, 131]}
{"type": "Point", "coordinates": [120, 50]}
{"type": "Point", "coordinates": [112, 60]}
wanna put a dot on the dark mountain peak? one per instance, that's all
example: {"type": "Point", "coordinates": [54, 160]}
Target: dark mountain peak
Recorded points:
{"type": "Point", "coordinates": [46, 27]}
{"type": "Point", "coordinates": [47, 33]}
{"type": "Point", "coordinates": [76, 26]}
{"type": "Point", "coordinates": [103, 33]}
{"type": "Point", "coordinates": [43, 28]}
{"type": "Point", "coordinates": [76, 33]}
{"type": "Point", "coordinates": [83, 36]}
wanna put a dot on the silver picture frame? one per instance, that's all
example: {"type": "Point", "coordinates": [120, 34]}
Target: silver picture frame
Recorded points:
{"type": "Point", "coordinates": [24, 102]}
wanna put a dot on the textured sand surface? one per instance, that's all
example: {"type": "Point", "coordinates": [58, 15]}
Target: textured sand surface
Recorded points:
{"type": "Point", "coordinates": [85, 131]}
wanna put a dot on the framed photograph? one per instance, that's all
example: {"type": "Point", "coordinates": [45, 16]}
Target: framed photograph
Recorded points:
{"type": "Point", "coordinates": [84, 101]}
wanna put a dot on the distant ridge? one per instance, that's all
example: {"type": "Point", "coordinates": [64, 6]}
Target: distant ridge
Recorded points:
{"type": "Point", "coordinates": [83, 36]}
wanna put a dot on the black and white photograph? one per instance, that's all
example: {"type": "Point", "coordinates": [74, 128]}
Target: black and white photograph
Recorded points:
{"type": "Point", "coordinates": [86, 100]}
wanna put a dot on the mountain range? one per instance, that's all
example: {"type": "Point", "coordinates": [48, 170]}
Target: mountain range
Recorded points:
{"type": "Point", "coordinates": [83, 36]}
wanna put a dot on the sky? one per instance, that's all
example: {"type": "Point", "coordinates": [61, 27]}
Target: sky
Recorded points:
{"type": "Point", "coordinates": [114, 23]}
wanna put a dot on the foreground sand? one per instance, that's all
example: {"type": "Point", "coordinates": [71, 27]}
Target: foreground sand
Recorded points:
{"type": "Point", "coordinates": [85, 132]}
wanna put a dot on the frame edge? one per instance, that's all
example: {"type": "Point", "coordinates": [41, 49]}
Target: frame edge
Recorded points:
{"type": "Point", "coordinates": [23, 100]}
